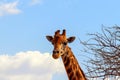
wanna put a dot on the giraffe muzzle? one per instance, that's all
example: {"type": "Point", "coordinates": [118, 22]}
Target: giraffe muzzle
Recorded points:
{"type": "Point", "coordinates": [56, 54]}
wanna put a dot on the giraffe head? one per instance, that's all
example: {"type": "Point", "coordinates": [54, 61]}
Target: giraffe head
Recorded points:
{"type": "Point", "coordinates": [59, 41]}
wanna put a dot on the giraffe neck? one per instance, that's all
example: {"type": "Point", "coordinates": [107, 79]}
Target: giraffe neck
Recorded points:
{"type": "Point", "coordinates": [72, 67]}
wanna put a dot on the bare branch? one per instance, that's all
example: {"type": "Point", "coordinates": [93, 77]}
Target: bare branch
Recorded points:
{"type": "Point", "coordinates": [105, 48]}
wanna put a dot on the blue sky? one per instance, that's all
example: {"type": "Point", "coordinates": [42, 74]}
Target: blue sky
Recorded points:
{"type": "Point", "coordinates": [25, 23]}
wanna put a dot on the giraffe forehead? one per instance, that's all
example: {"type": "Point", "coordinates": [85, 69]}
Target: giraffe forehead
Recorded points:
{"type": "Point", "coordinates": [58, 39]}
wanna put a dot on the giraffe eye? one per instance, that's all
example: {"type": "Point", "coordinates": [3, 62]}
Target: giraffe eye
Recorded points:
{"type": "Point", "coordinates": [65, 43]}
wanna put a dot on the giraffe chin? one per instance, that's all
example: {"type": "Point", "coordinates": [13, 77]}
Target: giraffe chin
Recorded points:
{"type": "Point", "coordinates": [55, 55]}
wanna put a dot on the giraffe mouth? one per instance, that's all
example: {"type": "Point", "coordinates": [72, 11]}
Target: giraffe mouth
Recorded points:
{"type": "Point", "coordinates": [56, 55]}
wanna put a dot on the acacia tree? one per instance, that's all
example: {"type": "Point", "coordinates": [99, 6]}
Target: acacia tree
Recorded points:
{"type": "Point", "coordinates": [104, 54]}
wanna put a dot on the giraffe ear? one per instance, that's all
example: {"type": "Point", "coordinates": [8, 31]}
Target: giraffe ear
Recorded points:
{"type": "Point", "coordinates": [49, 38]}
{"type": "Point", "coordinates": [71, 39]}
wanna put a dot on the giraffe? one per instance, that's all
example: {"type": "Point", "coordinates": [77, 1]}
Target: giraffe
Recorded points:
{"type": "Point", "coordinates": [61, 48]}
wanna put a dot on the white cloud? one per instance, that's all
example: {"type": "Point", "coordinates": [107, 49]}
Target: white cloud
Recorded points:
{"type": "Point", "coordinates": [9, 8]}
{"type": "Point", "coordinates": [35, 2]}
{"type": "Point", "coordinates": [31, 65]}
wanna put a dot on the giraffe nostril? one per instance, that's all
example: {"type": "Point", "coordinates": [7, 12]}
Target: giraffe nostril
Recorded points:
{"type": "Point", "coordinates": [57, 51]}
{"type": "Point", "coordinates": [54, 51]}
